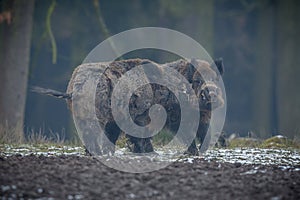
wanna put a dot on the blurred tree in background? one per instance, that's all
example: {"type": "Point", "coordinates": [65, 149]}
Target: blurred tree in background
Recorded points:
{"type": "Point", "coordinates": [15, 41]}
{"type": "Point", "coordinates": [288, 62]}
{"type": "Point", "coordinates": [258, 41]}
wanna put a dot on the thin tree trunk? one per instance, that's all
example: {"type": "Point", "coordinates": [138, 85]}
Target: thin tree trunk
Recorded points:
{"type": "Point", "coordinates": [15, 53]}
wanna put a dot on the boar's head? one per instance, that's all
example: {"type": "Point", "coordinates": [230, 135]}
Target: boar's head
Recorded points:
{"type": "Point", "coordinates": [205, 82]}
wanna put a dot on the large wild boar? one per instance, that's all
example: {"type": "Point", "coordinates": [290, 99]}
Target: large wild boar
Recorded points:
{"type": "Point", "coordinates": [209, 96]}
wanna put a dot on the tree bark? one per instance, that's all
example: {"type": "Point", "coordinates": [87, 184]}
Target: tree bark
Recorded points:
{"type": "Point", "coordinates": [14, 65]}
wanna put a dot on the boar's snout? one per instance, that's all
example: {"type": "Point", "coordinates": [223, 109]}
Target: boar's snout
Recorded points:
{"type": "Point", "coordinates": [210, 96]}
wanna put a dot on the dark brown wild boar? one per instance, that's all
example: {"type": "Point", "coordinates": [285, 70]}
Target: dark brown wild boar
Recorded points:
{"type": "Point", "coordinates": [209, 96]}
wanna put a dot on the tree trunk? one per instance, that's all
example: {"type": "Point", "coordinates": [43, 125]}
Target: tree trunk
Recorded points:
{"type": "Point", "coordinates": [264, 97]}
{"type": "Point", "coordinates": [205, 33]}
{"type": "Point", "coordinates": [288, 60]}
{"type": "Point", "coordinates": [15, 54]}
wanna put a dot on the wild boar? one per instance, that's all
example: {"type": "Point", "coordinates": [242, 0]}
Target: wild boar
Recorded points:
{"type": "Point", "coordinates": [209, 96]}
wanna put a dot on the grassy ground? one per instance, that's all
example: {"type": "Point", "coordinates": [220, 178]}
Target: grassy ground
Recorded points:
{"type": "Point", "coordinates": [276, 142]}
{"type": "Point", "coordinates": [35, 140]}
{"type": "Point", "coordinates": [38, 139]}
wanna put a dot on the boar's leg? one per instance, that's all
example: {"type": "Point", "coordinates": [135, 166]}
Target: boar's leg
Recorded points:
{"type": "Point", "coordinates": [140, 145]}
{"type": "Point", "coordinates": [91, 144]}
{"type": "Point", "coordinates": [112, 132]}
{"type": "Point", "coordinates": [192, 150]}
{"type": "Point", "coordinates": [201, 134]}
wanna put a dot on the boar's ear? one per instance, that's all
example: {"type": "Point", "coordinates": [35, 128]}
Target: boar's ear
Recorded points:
{"type": "Point", "coordinates": [219, 64]}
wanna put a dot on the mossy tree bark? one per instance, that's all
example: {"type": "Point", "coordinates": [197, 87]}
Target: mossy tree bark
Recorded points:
{"type": "Point", "coordinates": [15, 53]}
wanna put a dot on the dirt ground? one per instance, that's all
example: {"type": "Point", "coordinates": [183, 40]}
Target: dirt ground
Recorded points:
{"type": "Point", "coordinates": [74, 177]}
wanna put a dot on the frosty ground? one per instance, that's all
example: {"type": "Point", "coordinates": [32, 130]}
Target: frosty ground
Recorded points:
{"type": "Point", "coordinates": [61, 173]}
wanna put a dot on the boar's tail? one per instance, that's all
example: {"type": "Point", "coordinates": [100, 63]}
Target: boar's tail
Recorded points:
{"type": "Point", "coordinates": [50, 92]}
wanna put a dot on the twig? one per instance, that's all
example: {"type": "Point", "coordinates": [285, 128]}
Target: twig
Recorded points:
{"type": "Point", "coordinates": [49, 30]}
{"type": "Point", "coordinates": [104, 28]}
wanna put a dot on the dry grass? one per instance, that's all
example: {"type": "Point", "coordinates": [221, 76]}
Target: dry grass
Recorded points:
{"type": "Point", "coordinates": [280, 143]}
{"type": "Point", "coordinates": [15, 136]}
{"type": "Point", "coordinates": [163, 138]}
{"type": "Point", "coordinates": [276, 142]}
{"type": "Point", "coordinates": [9, 135]}
{"type": "Point", "coordinates": [244, 142]}
{"type": "Point", "coordinates": [39, 137]}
